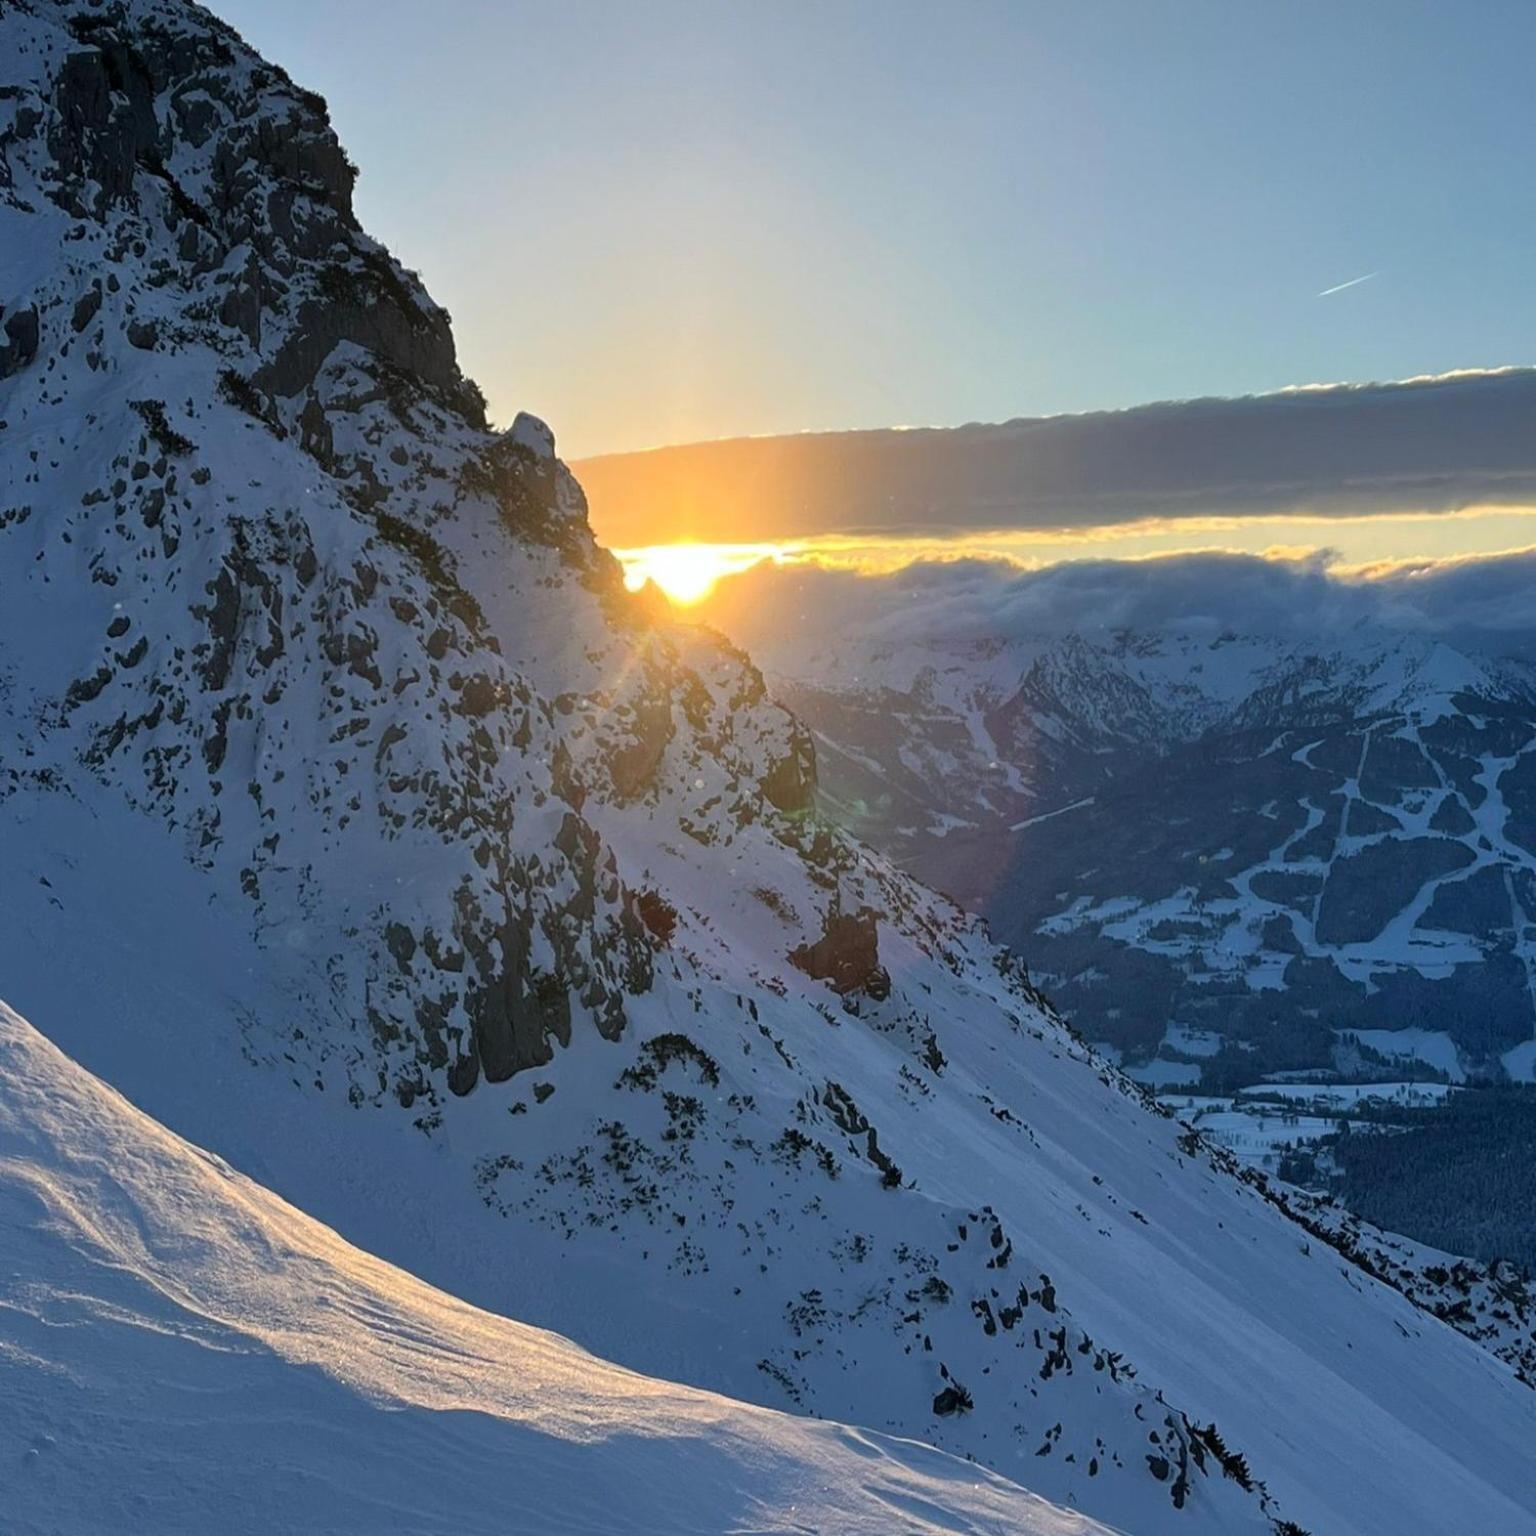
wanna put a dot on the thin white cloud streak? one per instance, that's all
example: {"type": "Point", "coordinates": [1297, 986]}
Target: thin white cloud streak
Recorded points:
{"type": "Point", "coordinates": [1354, 282]}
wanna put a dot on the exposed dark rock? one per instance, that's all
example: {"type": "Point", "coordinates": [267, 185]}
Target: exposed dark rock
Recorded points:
{"type": "Point", "coordinates": [86, 307]}
{"type": "Point", "coordinates": [791, 783]}
{"type": "Point", "coordinates": [847, 955]}
{"type": "Point", "coordinates": [658, 914]}
{"type": "Point", "coordinates": [633, 768]}
{"type": "Point", "coordinates": [463, 1074]}
{"type": "Point", "coordinates": [105, 119]}
{"type": "Point", "coordinates": [479, 696]}
{"type": "Point", "coordinates": [363, 305]}
{"type": "Point", "coordinates": [22, 334]}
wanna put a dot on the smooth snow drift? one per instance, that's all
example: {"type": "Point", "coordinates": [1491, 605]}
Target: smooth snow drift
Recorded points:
{"type": "Point", "coordinates": [180, 1350]}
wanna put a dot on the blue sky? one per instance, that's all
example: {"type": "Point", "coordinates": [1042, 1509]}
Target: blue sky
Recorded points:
{"type": "Point", "coordinates": [692, 218]}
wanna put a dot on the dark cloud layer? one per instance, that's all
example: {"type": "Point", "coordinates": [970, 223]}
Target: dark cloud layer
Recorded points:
{"type": "Point", "coordinates": [1488, 602]}
{"type": "Point", "coordinates": [1426, 445]}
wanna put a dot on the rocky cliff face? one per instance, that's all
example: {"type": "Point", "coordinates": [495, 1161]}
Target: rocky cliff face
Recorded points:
{"type": "Point", "coordinates": [435, 880]}
{"type": "Point", "coordinates": [245, 457]}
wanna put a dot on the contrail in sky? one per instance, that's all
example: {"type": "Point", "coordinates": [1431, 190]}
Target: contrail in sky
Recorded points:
{"type": "Point", "coordinates": [1353, 282]}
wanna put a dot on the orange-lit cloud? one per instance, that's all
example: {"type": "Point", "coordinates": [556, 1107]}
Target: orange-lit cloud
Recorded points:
{"type": "Point", "coordinates": [689, 572]}
{"type": "Point", "coordinates": [1431, 447]}
{"type": "Point", "coordinates": [1428, 469]}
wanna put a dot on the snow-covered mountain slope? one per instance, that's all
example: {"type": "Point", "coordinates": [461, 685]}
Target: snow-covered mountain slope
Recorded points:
{"type": "Point", "coordinates": [183, 1351]}
{"type": "Point", "coordinates": [1488, 1302]}
{"type": "Point", "coordinates": [1270, 840]}
{"type": "Point", "coordinates": [361, 828]}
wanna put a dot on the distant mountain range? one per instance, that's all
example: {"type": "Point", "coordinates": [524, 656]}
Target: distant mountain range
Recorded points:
{"type": "Point", "coordinates": [1222, 856]}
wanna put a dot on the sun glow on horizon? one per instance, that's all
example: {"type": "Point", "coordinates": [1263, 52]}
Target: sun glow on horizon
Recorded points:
{"type": "Point", "coordinates": [686, 573]}
{"type": "Point", "coordinates": [689, 572]}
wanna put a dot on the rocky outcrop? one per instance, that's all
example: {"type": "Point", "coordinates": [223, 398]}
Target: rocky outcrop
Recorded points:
{"type": "Point", "coordinates": [633, 767]}
{"type": "Point", "coordinates": [21, 337]}
{"type": "Point", "coordinates": [847, 955]}
{"type": "Point", "coordinates": [791, 783]}
{"type": "Point", "coordinates": [156, 115]}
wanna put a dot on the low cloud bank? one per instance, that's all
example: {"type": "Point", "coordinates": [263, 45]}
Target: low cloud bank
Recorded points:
{"type": "Point", "coordinates": [1424, 445]}
{"type": "Point", "coordinates": [1489, 602]}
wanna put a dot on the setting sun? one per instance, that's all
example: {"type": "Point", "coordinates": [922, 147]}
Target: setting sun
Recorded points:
{"type": "Point", "coordinates": [687, 573]}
